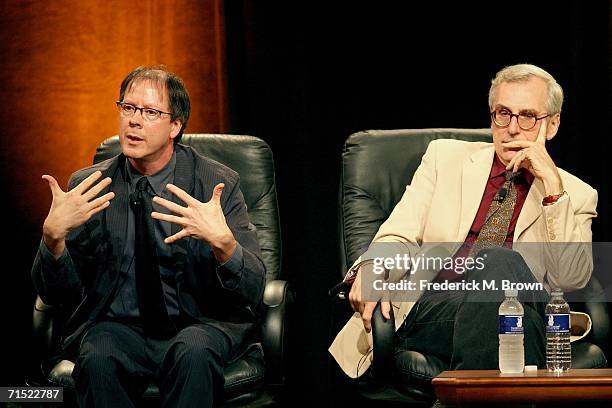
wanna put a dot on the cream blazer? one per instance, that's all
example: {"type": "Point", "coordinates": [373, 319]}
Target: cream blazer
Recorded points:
{"type": "Point", "coordinates": [440, 205]}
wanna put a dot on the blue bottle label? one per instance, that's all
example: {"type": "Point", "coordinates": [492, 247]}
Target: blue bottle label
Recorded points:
{"type": "Point", "coordinates": [558, 323]}
{"type": "Point", "coordinates": [510, 324]}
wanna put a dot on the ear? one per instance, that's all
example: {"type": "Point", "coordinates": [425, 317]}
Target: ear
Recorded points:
{"type": "Point", "coordinates": [553, 126]}
{"type": "Point", "coordinates": [175, 128]}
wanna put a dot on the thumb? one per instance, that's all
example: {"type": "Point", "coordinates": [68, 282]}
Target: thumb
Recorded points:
{"type": "Point", "coordinates": [55, 188]}
{"type": "Point", "coordinates": [385, 307]}
{"type": "Point", "coordinates": [216, 195]}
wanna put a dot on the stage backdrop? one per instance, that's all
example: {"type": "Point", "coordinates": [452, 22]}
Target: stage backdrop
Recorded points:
{"type": "Point", "coordinates": [62, 65]}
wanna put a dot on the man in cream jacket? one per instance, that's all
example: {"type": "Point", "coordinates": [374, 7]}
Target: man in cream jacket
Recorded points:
{"type": "Point", "coordinates": [447, 202]}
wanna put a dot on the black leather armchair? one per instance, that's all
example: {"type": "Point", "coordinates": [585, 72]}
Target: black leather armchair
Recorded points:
{"type": "Point", "coordinates": [244, 379]}
{"type": "Point", "coordinates": [376, 167]}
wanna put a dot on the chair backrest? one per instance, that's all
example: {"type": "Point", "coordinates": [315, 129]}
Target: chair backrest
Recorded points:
{"type": "Point", "coordinates": [376, 167]}
{"type": "Point", "coordinates": [252, 158]}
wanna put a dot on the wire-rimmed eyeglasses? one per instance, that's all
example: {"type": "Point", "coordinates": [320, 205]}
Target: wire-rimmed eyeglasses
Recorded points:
{"type": "Point", "coordinates": [128, 110]}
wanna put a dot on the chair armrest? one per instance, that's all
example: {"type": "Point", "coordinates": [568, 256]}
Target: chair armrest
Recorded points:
{"type": "Point", "coordinates": [277, 297]}
{"type": "Point", "coordinates": [593, 302]}
{"type": "Point", "coordinates": [43, 323]}
{"type": "Point", "coordinates": [383, 331]}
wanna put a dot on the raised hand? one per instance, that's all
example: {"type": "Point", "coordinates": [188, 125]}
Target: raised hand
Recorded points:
{"type": "Point", "coordinates": [534, 157]}
{"type": "Point", "coordinates": [204, 221]}
{"type": "Point", "coordinates": [72, 209]}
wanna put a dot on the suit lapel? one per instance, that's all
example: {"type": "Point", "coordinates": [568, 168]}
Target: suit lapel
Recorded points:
{"type": "Point", "coordinates": [117, 213]}
{"type": "Point", "coordinates": [531, 209]}
{"type": "Point", "coordinates": [476, 170]}
{"type": "Point", "coordinates": [183, 177]}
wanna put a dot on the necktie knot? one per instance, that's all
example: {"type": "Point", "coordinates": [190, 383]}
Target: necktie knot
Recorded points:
{"type": "Point", "coordinates": [136, 199]}
{"type": "Point", "coordinates": [142, 184]}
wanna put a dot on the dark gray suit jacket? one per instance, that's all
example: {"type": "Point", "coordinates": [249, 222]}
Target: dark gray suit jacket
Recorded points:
{"type": "Point", "coordinates": [86, 279]}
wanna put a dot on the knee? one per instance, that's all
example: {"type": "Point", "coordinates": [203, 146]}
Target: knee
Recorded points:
{"type": "Point", "coordinates": [191, 348]}
{"type": "Point", "coordinates": [94, 360]}
{"type": "Point", "coordinates": [502, 262]}
{"type": "Point", "coordinates": [500, 254]}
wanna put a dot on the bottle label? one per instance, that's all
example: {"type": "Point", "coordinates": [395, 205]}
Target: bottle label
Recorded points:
{"type": "Point", "coordinates": [510, 324]}
{"type": "Point", "coordinates": [558, 323]}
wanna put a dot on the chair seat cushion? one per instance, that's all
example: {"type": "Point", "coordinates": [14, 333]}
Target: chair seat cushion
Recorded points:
{"type": "Point", "coordinates": [243, 378]}
{"type": "Point", "coordinates": [415, 371]}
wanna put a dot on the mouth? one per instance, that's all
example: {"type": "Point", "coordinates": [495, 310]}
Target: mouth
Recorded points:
{"type": "Point", "coordinates": [510, 149]}
{"type": "Point", "coordinates": [134, 138]}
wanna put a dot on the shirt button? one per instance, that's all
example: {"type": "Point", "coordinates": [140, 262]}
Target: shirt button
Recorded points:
{"type": "Point", "coordinates": [552, 237]}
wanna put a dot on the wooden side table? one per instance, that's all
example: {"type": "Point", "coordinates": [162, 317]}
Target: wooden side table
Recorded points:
{"type": "Point", "coordinates": [477, 386]}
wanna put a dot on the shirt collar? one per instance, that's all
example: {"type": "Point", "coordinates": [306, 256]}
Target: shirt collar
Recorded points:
{"type": "Point", "coordinates": [499, 170]}
{"type": "Point", "coordinates": [158, 180]}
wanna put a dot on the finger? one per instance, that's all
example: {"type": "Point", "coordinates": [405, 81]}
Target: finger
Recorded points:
{"type": "Point", "coordinates": [96, 189]}
{"type": "Point", "coordinates": [98, 209]}
{"type": "Point", "coordinates": [88, 182]}
{"type": "Point", "coordinates": [542, 133]}
{"type": "Point", "coordinates": [174, 207]}
{"type": "Point", "coordinates": [366, 316]}
{"type": "Point", "coordinates": [516, 166]}
{"type": "Point", "coordinates": [513, 160]}
{"type": "Point", "coordinates": [518, 143]}
{"type": "Point", "coordinates": [354, 298]}
{"type": "Point", "coordinates": [385, 308]}
{"type": "Point", "coordinates": [170, 218]}
{"type": "Point", "coordinates": [101, 200]}
{"type": "Point", "coordinates": [216, 195]}
{"type": "Point", "coordinates": [55, 188]}
{"type": "Point", "coordinates": [179, 235]}
{"type": "Point", "coordinates": [521, 157]}
{"type": "Point", "coordinates": [180, 193]}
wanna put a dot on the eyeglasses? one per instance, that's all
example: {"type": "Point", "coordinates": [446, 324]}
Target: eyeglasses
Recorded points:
{"type": "Point", "coordinates": [526, 121]}
{"type": "Point", "coordinates": [128, 110]}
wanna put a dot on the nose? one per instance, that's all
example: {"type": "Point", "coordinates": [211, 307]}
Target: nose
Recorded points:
{"type": "Point", "coordinates": [513, 127]}
{"type": "Point", "coordinates": [136, 119]}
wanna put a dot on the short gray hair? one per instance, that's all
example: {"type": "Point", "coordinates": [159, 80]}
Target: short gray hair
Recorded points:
{"type": "Point", "coordinates": [522, 72]}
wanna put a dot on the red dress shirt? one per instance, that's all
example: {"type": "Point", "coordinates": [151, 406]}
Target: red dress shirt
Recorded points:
{"type": "Point", "coordinates": [496, 181]}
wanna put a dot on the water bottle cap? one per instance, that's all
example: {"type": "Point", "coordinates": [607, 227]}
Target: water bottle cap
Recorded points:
{"type": "Point", "coordinates": [511, 292]}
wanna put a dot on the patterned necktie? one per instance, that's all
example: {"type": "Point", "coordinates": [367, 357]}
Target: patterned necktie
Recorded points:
{"type": "Point", "coordinates": [148, 281]}
{"type": "Point", "coordinates": [495, 228]}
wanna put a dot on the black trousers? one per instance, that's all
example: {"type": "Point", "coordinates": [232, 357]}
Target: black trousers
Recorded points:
{"type": "Point", "coordinates": [460, 328]}
{"type": "Point", "coordinates": [116, 363]}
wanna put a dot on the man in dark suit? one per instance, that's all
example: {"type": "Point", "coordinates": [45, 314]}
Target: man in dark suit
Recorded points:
{"type": "Point", "coordinates": [155, 248]}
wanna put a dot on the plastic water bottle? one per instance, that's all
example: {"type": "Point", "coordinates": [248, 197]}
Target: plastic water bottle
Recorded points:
{"type": "Point", "coordinates": [511, 333]}
{"type": "Point", "coordinates": [558, 348]}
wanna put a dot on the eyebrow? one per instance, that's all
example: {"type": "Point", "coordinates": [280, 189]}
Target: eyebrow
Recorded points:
{"type": "Point", "coordinates": [522, 111]}
{"type": "Point", "coordinates": [146, 106]}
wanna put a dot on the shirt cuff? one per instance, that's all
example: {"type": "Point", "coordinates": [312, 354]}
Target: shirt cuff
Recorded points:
{"type": "Point", "coordinates": [51, 265]}
{"type": "Point", "coordinates": [48, 258]}
{"type": "Point", "coordinates": [230, 271]}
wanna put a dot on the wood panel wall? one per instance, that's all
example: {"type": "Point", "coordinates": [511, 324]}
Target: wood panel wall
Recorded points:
{"type": "Point", "coordinates": [61, 64]}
